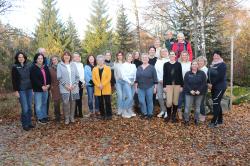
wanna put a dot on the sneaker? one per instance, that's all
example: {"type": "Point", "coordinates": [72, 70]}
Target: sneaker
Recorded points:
{"type": "Point", "coordinates": [26, 128]}
{"type": "Point", "coordinates": [196, 122]}
{"type": "Point", "coordinates": [202, 118]}
{"type": "Point", "coordinates": [126, 115]}
{"type": "Point", "coordinates": [165, 115]}
{"type": "Point", "coordinates": [186, 123]}
{"type": "Point", "coordinates": [66, 121]}
{"type": "Point", "coordinates": [149, 117]}
{"type": "Point", "coordinates": [179, 113]}
{"type": "Point", "coordinates": [42, 121]}
{"type": "Point", "coordinates": [109, 118]}
{"type": "Point", "coordinates": [160, 114]}
{"type": "Point", "coordinates": [31, 126]}
{"type": "Point", "coordinates": [212, 125]}
{"type": "Point", "coordinates": [72, 120]}
{"type": "Point", "coordinates": [119, 112]}
{"type": "Point", "coordinates": [131, 112]}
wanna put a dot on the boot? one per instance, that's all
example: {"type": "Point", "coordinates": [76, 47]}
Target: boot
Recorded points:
{"type": "Point", "coordinates": [174, 120]}
{"type": "Point", "coordinates": [169, 110]}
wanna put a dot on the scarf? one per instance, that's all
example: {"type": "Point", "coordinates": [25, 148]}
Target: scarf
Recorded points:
{"type": "Point", "coordinates": [215, 63]}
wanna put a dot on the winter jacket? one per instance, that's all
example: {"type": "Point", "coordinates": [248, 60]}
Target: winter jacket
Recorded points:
{"type": "Point", "coordinates": [217, 76]}
{"type": "Point", "coordinates": [179, 47]}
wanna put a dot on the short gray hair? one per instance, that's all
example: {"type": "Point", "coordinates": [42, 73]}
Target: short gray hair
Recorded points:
{"type": "Point", "coordinates": [199, 58]}
{"type": "Point", "coordinates": [100, 57]}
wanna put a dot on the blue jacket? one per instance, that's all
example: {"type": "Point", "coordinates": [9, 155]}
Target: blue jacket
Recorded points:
{"type": "Point", "coordinates": [88, 75]}
{"type": "Point", "coordinates": [217, 76]}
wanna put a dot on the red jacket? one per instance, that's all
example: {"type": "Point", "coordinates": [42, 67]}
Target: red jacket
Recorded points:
{"type": "Point", "coordinates": [179, 47]}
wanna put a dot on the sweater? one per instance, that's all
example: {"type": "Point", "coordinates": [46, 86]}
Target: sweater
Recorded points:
{"type": "Point", "coordinates": [146, 78]}
{"type": "Point", "coordinates": [137, 62]}
{"type": "Point", "coordinates": [21, 77]}
{"type": "Point", "coordinates": [118, 71]}
{"type": "Point", "coordinates": [152, 61]}
{"type": "Point", "coordinates": [80, 70]}
{"type": "Point", "coordinates": [37, 79]}
{"type": "Point", "coordinates": [195, 81]}
{"type": "Point", "coordinates": [128, 72]}
{"type": "Point", "coordinates": [185, 66]}
{"type": "Point", "coordinates": [159, 67]}
{"type": "Point", "coordinates": [217, 76]}
{"type": "Point", "coordinates": [172, 74]}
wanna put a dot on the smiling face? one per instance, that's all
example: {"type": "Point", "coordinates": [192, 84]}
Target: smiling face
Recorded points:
{"type": "Point", "coordinates": [66, 58]}
{"type": "Point", "coordinates": [54, 61]}
{"type": "Point", "coordinates": [216, 58]}
{"type": "Point", "coordinates": [137, 55]}
{"type": "Point", "coordinates": [120, 57]}
{"type": "Point", "coordinates": [91, 60]}
{"type": "Point", "coordinates": [21, 58]}
{"type": "Point", "coordinates": [172, 56]}
{"type": "Point", "coordinates": [151, 52]}
{"type": "Point", "coordinates": [39, 60]}
{"type": "Point", "coordinates": [145, 59]}
{"type": "Point", "coordinates": [164, 53]}
{"type": "Point", "coordinates": [157, 43]}
{"type": "Point", "coordinates": [108, 56]}
{"type": "Point", "coordinates": [194, 66]}
{"type": "Point", "coordinates": [184, 57]}
{"type": "Point", "coordinates": [129, 58]}
{"type": "Point", "coordinates": [169, 35]}
{"type": "Point", "coordinates": [201, 63]}
{"type": "Point", "coordinates": [77, 58]}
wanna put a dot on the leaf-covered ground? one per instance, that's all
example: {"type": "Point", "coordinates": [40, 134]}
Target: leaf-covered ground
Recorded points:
{"type": "Point", "coordinates": [124, 141]}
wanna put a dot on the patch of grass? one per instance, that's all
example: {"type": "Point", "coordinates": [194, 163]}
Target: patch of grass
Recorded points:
{"type": "Point", "coordinates": [240, 94]}
{"type": "Point", "coordinates": [9, 106]}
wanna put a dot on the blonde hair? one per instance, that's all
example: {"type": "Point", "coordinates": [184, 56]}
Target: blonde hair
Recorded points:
{"type": "Point", "coordinates": [202, 58]}
{"type": "Point", "coordinates": [128, 54]}
{"type": "Point", "coordinates": [184, 52]}
{"type": "Point", "coordinates": [162, 50]}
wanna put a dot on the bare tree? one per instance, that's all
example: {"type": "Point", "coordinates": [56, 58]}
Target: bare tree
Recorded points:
{"type": "Point", "coordinates": [138, 40]}
{"type": "Point", "coordinates": [5, 5]}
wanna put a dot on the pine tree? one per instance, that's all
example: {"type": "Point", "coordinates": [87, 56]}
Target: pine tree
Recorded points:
{"type": "Point", "coordinates": [72, 41]}
{"type": "Point", "coordinates": [124, 37]}
{"type": "Point", "coordinates": [49, 30]}
{"type": "Point", "coordinates": [98, 34]}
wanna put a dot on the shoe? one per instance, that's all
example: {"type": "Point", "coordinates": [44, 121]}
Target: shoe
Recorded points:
{"type": "Point", "coordinates": [131, 112]}
{"type": "Point", "coordinates": [42, 121]}
{"type": "Point", "coordinates": [196, 122]}
{"type": "Point", "coordinates": [174, 120]}
{"type": "Point", "coordinates": [165, 115]}
{"type": "Point", "coordinates": [149, 117]}
{"type": "Point", "coordinates": [186, 123]}
{"type": "Point", "coordinates": [179, 112]}
{"type": "Point", "coordinates": [119, 112]}
{"type": "Point", "coordinates": [160, 114]}
{"type": "Point", "coordinates": [202, 118]}
{"type": "Point", "coordinates": [125, 115]}
{"type": "Point", "coordinates": [31, 126]}
{"type": "Point", "coordinates": [219, 124]}
{"type": "Point", "coordinates": [169, 110]}
{"type": "Point", "coordinates": [143, 116]}
{"type": "Point", "coordinates": [109, 118]}
{"type": "Point", "coordinates": [26, 128]}
{"type": "Point", "coordinates": [72, 120]}
{"type": "Point", "coordinates": [66, 121]}
{"type": "Point", "coordinates": [212, 125]}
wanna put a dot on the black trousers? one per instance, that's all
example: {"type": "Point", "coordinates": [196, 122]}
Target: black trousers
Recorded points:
{"type": "Point", "coordinates": [78, 106]}
{"type": "Point", "coordinates": [217, 95]}
{"type": "Point", "coordinates": [57, 111]}
{"type": "Point", "coordinates": [105, 105]}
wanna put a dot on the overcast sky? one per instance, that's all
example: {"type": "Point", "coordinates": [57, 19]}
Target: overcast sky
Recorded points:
{"type": "Point", "coordinates": [25, 16]}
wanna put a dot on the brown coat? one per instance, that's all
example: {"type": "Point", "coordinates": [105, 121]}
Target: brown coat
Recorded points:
{"type": "Point", "coordinates": [55, 92]}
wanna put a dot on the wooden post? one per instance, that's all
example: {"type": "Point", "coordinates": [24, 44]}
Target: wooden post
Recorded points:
{"type": "Point", "coordinates": [232, 72]}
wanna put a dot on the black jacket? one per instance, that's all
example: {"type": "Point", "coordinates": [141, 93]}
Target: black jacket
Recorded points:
{"type": "Point", "coordinates": [152, 61]}
{"type": "Point", "coordinates": [137, 63]}
{"type": "Point", "coordinates": [172, 74]}
{"type": "Point", "coordinates": [217, 76]}
{"type": "Point", "coordinates": [21, 77]}
{"type": "Point", "coordinates": [197, 81]}
{"type": "Point", "coordinates": [37, 80]}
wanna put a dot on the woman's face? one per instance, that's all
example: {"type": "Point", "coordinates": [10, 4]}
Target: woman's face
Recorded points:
{"type": "Point", "coordinates": [184, 57]}
{"type": "Point", "coordinates": [77, 58]}
{"type": "Point", "coordinates": [20, 58]}
{"type": "Point", "coordinates": [216, 58]}
{"type": "Point", "coordinates": [119, 57]}
{"type": "Point", "coordinates": [54, 61]}
{"type": "Point", "coordinates": [66, 58]}
{"type": "Point", "coordinates": [39, 60]}
{"type": "Point", "coordinates": [129, 58]}
{"type": "Point", "coordinates": [151, 51]}
{"type": "Point", "coordinates": [201, 63]}
{"type": "Point", "coordinates": [164, 54]}
{"type": "Point", "coordinates": [180, 39]}
{"type": "Point", "coordinates": [194, 66]}
{"type": "Point", "coordinates": [145, 59]}
{"type": "Point", "coordinates": [157, 43]}
{"type": "Point", "coordinates": [172, 56]}
{"type": "Point", "coordinates": [137, 55]}
{"type": "Point", "coordinates": [108, 56]}
{"type": "Point", "coordinates": [100, 62]}
{"type": "Point", "coordinates": [91, 59]}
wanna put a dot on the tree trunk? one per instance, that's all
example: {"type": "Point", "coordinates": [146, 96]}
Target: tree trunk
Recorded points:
{"type": "Point", "coordinates": [138, 43]}
{"type": "Point", "coordinates": [202, 32]}
{"type": "Point", "coordinates": [195, 30]}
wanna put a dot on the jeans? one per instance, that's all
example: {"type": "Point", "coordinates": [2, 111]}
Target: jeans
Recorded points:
{"type": "Point", "coordinates": [190, 99]}
{"type": "Point", "coordinates": [160, 93]}
{"type": "Point", "coordinates": [146, 105]}
{"type": "Point", "coordinates": [26, 105]}
{"type": "Point", "coordinates": [69, 109]}
{"type": "Point", "coordinates": [217, 95]}
{"type": "Point", "coordinates": [181, 100]}
{"type": "Point", "coordinates": [120, 93]}
{"type": "Point", "coordinates": [105, 105]}
{"type": "Point", "coordinates": [78, 105]}
{"type": "Point", "coordinates": [203, 104]}
{"type": "Point", "coordinates": [41, 99]}
{"type": "Point", "coordinates": [91, 97]}
{"type": "Point", "coordinates": [128, 91]}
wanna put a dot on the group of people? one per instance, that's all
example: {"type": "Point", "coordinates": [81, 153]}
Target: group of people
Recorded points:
{"type": "Point", "coordinates": [166, 76]}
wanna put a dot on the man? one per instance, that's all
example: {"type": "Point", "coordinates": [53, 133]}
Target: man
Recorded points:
{"type": "Point", "coordinates": [169, 40]}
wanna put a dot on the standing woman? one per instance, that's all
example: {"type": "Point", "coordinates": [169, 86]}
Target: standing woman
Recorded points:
{"type": "Point", "coordinates": [93, 103]}
{"type": "Point", "coordinates": [128, 76]}
{"type": "Point", "coordinates": [101, 78]}
{"type": "Point", "coordinates": [164, 58]}
{"type": "Point", "coordinates": [157, 45]}
{"type": "Point", "coordinates": [173, 83]}
{"type": "Point", "coordinates": [136, 59]}
{"type": "Point", "coordinates": [218, 85]}
{"type": "Point", "coordinates": [40, 80]}
{"type": "Point", "coordinates": [185, 65]}
{"type": "Point", "coordinates": [146, 85]}
{"type": "Point", "coordinates": [202, 63]}
{"type": "Point", "coordinates": [152, 57]}
{"type": "Point", "coordinates": [54, 89]}
{"type": "Point", "coordinates": [80, 69]}
{"type": "Point", "coordinates": [194, 88]}
{"type": "Point", "coordinates": [68, 78]}
{"type": "Point", "coordinates": [120, 59]}
{"type": "Point", "coordinates": [22, 86]}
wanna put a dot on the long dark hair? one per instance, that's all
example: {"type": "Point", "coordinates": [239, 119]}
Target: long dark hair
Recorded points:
{"type": "Point", "coordinates": [87, 60]}
{"type": "Point", "coordinates": [16, 57]}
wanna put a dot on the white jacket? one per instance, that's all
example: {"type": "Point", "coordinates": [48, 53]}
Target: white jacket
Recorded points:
{"type": "Point", "coordinates": [80, 70]}
{"type": "Point", "coordinates": [159, 67]}
{"type": "Point", "coordinates": [128, 72]}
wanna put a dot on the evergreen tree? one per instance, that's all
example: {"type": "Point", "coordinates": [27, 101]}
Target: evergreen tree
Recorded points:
{"type": "Point", "coordinates": [49, 30]}
{"type": "Point", "coordinates": [124, 37]}
{"type": "Point", "coordinates": [98, 34]}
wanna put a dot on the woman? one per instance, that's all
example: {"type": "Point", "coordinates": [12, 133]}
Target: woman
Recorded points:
{"type": "Point", "coordinates": [146, 85]}
{"type": "Point", "coordinates": [202, 63]}
{"type": "Point", "coordinates": [101, 78]}
{"type": "Point", "coordinates": [218, 85]}
{"type": "Point", "coordinates": [93, 103]}
{"type": "Point", "coordinates": [22, 86]}
{"type": "Point", "coordinates": [164, 58]}
{"type": "Point", "coordinates": [172, 83]}
{"type": "Point", "coordinates": [194, 89]}
{"type": "Point", "coordinates": [185, 65]}
{"type": "Point", "coordinates": [40, 80]}
{"type": "Point", "coordinates": [136, 59]}
{"type": "Point", "coordinates": [80, 69]}
{"type": "Point", "coordinates": [152, 57]}
{"type": "Point", "coordinates": [120, 59]}
{"type": "Point", "coordinates": [157, 45]}
{"type": "Point", "coordinates": [68, 77]}
{"type": "Point", "coordinates": [128, 76]}
{"type": "Point", "coordinates": [55, 92]}
{"type": "Point", "coordinates": [182, 45]}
